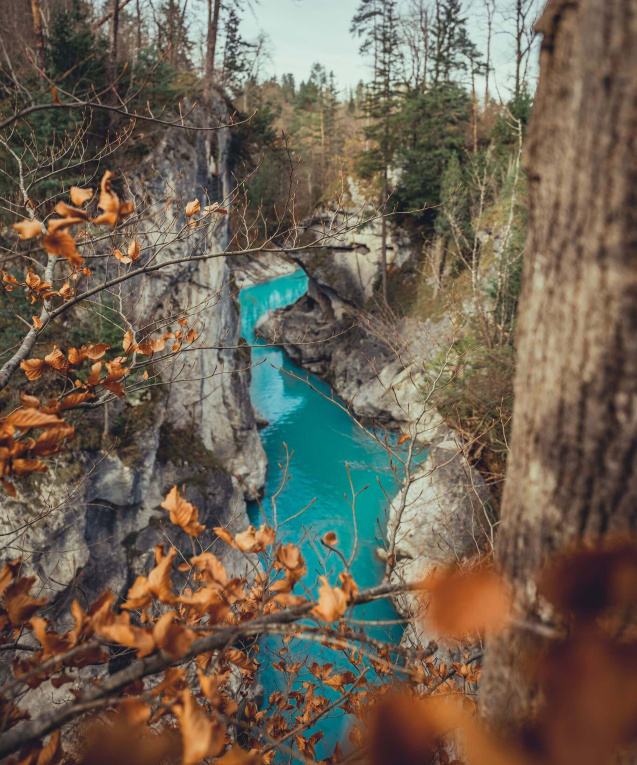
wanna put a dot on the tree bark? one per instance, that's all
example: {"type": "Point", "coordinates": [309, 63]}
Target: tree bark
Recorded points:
{"type": "Point", "coordinates": [112, 41]}
{"type": "Point", "coordinates": [573, 464]}
{"type": "Point", "coordinates": [383, 247]}
{"type": "Point", "coordinates": [39, 36]}
{"type": "Point", "coordinates": [490, 8]}
{"type": "Point", "coordinates": [214, 7]}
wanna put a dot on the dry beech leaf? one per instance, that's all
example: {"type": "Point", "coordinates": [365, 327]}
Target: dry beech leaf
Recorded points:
{"type": "Point", "coordinates": [202, 737]}
{"type": "Point", "coordinates": [29, 402]}
{"type": "Point", "coordinates": [80, 196]}
{"type": "Point", "coordinates": [57, 224]}
{"type": "Point", "coordinates": [33, 368]}
{"type": "Point", "coordinates": [183, 513]}
{"type": "Point", "coordinates": [158, 585]}
{"type": "Point", "coordinates": [66, 211]}
{"type": "Point", "coordinates": [121, 257]}
{"type": "Point", "coordinates": [461, 603]}
{"type": "Point", "coordinates": [18, 603]}
{"type": "Point", "coordinates": [224, 535]}
{"type": "Point", "coordinates": [213, 208]}
{"type": "Point", "coordinates": [287, 599]}
{"type": "Point", "coordinates": [192, 208]}
{"type": "Point", "coordinates": [8, 573]}
{"type": "Point", "coordinates": [37, 323]}
{"type": "Point", "coordinates": [330, 539]}
{"type": "Point", "coordinates": [332, 602]}
{"type": "Point", "coordinates": [62, 245]}
{"type": "Point", "coordinates": [349, 586]}
{"type": "Point", "coordinates": [134, 250]}
{"type": "Point", "coordinates": [238, 756]}
{"type": "Point", "coordinates": [28, 418]}
{"type": "Point", "coordinates": [114, 210]}
{"type": "Point", "coordinates": [174, 639]}
{"type": "Point", "coordinates": [403, 439]}
{"type": "Point", "coordinates": [8, 487]}
{"type": "Point", "coordinates": [51, 752]}
{"type": "Point", "coordinates": [28, 229]}
{"type": "Point", "coordinates": [212, 569]}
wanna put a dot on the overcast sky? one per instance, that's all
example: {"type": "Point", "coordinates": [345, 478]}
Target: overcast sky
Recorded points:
{"type": "Point", "coordinates": [301, 32]}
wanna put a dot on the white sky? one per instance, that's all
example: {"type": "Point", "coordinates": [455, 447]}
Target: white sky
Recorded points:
{"type": "Point", "coordinates": [301, 32]}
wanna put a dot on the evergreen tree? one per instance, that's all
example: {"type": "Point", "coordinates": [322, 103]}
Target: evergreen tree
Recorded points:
{"type": "Point", "coordinates": [288, 87]}
{"type": "Point", "coordinates": [376, 22]}
{"type": "Point", "coordinates": [234, 58]}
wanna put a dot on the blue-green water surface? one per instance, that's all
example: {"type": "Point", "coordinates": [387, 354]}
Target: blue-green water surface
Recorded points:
{"type": "Point", "coordinates": [322, 439]}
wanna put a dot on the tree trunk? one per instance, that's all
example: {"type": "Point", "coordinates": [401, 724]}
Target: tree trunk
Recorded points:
{"type": "Point", "coordinates": [383, 229]}
{"type": "Point", "coordinates": [214, 7]}
{"type": "Point", "coordinates": [112, 41]}
{"type": "Point", "coordinates": [39, 36]}
{"type": "Point", "coordinates": [474, 107]}
{"type": "Point", "coordinates": [573, 464]}
{"type": "Point", "coordinates": [490, 11]}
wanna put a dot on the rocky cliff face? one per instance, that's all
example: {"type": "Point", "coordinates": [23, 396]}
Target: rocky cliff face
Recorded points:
{"type": "Point", "coordinates": [94, 520]}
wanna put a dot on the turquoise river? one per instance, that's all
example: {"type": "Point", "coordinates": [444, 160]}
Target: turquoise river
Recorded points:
{"type": "Point", "coordinates": [323, 441]}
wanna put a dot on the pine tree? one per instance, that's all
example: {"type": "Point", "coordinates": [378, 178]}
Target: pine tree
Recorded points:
{"type": "Point", "coordinates": [376, 22]}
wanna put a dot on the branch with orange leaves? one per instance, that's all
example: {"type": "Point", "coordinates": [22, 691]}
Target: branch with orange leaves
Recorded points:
{"type": "Point", "coordinates": [14, 739]}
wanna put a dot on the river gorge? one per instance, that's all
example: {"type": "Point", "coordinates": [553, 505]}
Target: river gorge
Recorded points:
{"type": "Point", "coordinates": [325, 442]}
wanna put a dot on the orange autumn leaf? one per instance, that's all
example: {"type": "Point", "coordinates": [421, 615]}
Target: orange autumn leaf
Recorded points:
{"type": "Point", "coordinates": [33, 368]}
{"type": "Point", "coordinates": [213, 208]}
{"type": "Point", "coordinates": [183, 513]}
{"type": "Point", "coordinates": [403, 438]}
{"type": "Point", "coordinates": [28, 229]}
{"type": "Point", "coordinates": [134, 250]}
{"type": "Point", "coordinates": [57, 224]}
{"type": "Point", "coordinates": [461, 603]}
{"type": "Point", "coordinates": [66, 211]}
{"type": "Point", "coordinates": [202, 737]}
{"type": "Point", "coordinates": [158, 585]}
{"type": "Point", "coordinates": [8, 574]}
{"type": "Point", "coordinates": [29, 402]}
{"type": "Point", "coordinates": [174, 639]}
{"type": "Point", "coordinates": [80, 196]}
{"type": "Point", "coordinates": [253, 540]}
{"type": "Point", "coordinates": [119, 255]}
{"type": "Point", "coordinates": [109, 202]}
{"type": "Point", "coordinates": [9, 487]}
{"type": "Point", "coordinates": [37, 323]}
{"type": "Point", "coordinates": [28, 418]}
{"type": "Point", "coordinates": [239, 659]}
{"type": "Point", "coordinates": [225, 535]}
{"type": "Point", "coordinates": [332, 602]}
{"type": "Point", "coordinates": [57, 360]}
{"type": "Point", "coordinates": [289, 556]}
{"type": "Point", "coordinates": [348, 585]}
{"type": "Point", "coordinates": [212, 570]}
{"type": "Point", "coordinates": [75, 399]}
{"type": "Point", "coordinates": [192, 208]}
{"type": "Point", "coordinates": [62, 245]}
{"type": "Point", "coordinates": [51, 752]}
{"type": "Point", "coordinates": [19, 604]}
{"type": "Point", "coordinates": [330, 539]}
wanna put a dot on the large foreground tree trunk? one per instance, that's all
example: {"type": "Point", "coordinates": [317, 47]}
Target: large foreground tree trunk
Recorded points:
{"type": "Point", "coordinates": [573, 467]}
